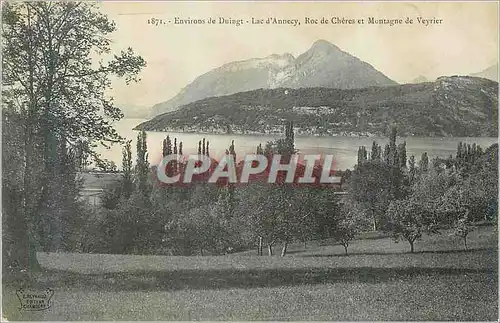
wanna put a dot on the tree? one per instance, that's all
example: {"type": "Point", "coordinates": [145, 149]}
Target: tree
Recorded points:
{"type": "Point", "coordinates": [131, 225]}
{"type": "Point", "coordinates": [362, 155]}
{"type": "Point", "coordinates": [260, 150]}
{"type": "Point", "coordinates": [408, 220]}
{"type": "Point", "coordinates": [275, 221]}
{"type": "Point", "coordinates": [257, 207]}
{"type": "Point", "coordinates": [387, 155]}
{"type": "Point", "coordinates": [393, 149]}
{"type": "Point", "coordinates": [127, 185]}
{"type": "Point", "coordinates": [304, 210]}
{"type": "Point", "coordinates": [464, 227]}
{"type": "Point", "coordinates": [412, 171]}
{"type": "Point", "coordinates": [459, 202]}
{"type": "Point", "coordinates": [429, 189]}
{"type": "Point", "coordinates": [424, 163]}
{"type": "Point", "coordinates": [13, 221]}
{"type": "Point", "coordinates": [314, 212]}
{"type": "Point", "coordinates": [142, 171]}
{"type": "Point", "coordinates": [402, 155]}
{"type": "Point", "coordinates": [346, 177]}
{"type": "Point", "coordinates": [460, 152]}
{"type": "Point", "coordinates": [345, 227]}
{"type": "Point", "coordinates": [376, 153]}
{"type": "Point", "coordinates": [59, 208]}
{"type": "Point", "coordinates": [227, 237]}
{"type": "Point", "coordinates": [113, 195]}
{"type": "Point", "coordinates": [167, 146]}
{"type": "Point", "coordinates": [232, 151]}
{"type": "Point", "coordinates": [199, 230]}
{"type": "Point", "coordinates": [370, 189]}
{"type": "Point", "coordinates": [51, 81]}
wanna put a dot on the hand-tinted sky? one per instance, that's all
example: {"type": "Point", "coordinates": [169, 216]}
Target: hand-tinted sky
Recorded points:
{"type": "Point", "coordinates": [466, 41]}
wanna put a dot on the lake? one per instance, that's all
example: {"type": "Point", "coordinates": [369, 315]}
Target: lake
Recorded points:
{"type": "Point", "coordinates": [344, 149]}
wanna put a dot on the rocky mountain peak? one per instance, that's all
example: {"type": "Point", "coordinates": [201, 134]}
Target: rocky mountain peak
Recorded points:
{"type": "Point", "coordinates": [323, 65]}
{"type": "Point", "coordinates": [323, 46]}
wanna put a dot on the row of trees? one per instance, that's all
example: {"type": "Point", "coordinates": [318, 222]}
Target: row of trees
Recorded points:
{"type": "Point", "coordinates": [408, 200]}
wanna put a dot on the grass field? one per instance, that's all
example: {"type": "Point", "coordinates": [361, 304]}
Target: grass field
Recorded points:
{"type": "Point", "coordinates": [379, 280]}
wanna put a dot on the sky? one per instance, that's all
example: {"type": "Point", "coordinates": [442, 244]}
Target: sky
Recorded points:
{"type": "Point", "coordinates": [465, 42]}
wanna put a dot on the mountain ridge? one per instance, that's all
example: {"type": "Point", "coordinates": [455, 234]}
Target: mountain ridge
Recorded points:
{"type": "Point", "coordinates": [451, 106]}
{"type": "Point", "coordinates": [490, 73]}
{"type": "Point", "coordinates": [419, 79]}
{"type": "Point", "coordinates": [323, 64]}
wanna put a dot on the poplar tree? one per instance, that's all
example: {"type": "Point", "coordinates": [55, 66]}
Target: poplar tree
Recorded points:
{"type": "Point", "coordinates": [424, 163]}
{"type": "Point", "coordinates": [376, 151]}
{"type": "Point", "coordinates": [142, 164]}
{"type": "Point", "coordinates": [402, 155]}
{"type": "Point", "coordinates": [232, 152]}
{"type": "Point", "coordinates": [362, 155]}
{"type": "Point", "coordinates": [127, 180]}
{"type": "Point", "coordinates": [412, 170]}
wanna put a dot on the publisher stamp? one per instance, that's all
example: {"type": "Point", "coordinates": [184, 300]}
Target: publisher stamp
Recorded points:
{"type": "Point", "coordinates": [31, 300]}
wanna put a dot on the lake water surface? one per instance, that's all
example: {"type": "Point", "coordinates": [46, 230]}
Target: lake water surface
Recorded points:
{"type": "Point", "coordinates": [344, 149]}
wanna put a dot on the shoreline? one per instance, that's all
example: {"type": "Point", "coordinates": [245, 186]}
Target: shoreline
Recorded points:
{"type": "Point", "coordinates": [260, 134]}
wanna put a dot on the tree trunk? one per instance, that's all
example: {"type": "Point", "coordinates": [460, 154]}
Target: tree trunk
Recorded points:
{"type": "Point", "coordinates": [34, 265]}
{"type": "Point", "coordinates": [465, 242]}
{"type": "Point", "coordinates": [270, 247]}
{"type": "Point", "coordinates": [374, 221]}
{"type": "Point", "coordinates": [345, 248]}
{"type": "Point", "coordinates": [30, 198]}
{"type": "Point", "coordinates": [283, 250]}
{"type": "Point", "coordinates": [411, 246]}
{"type": "Point", "coordinates": [201, 251]}
{"type": "Point", "coordinates": [29, 215]}
{"type": "Point", "coordinates": [305, 244]}
{"type": "Point", "coordinates": [260, 246]}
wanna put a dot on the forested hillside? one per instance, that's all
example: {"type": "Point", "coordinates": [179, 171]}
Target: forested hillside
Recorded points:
{"type": "Point", "coordinates": [450, 106]}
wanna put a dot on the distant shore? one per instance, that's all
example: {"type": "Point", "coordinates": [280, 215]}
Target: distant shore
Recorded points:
{"type": "Point", "coordinates": [302, 135]}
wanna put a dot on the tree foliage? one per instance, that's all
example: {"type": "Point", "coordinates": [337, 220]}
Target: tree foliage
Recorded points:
{"type": "Point", "coordinates": [408, 220]}
{"type": "Point", "coordinates": [53, 82]}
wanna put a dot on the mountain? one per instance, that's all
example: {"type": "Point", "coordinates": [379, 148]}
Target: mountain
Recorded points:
{"type": "Point", "coordinates": [323, 65]}
{"type": "Point", "coordinates": [231, 78]}
{"type": "Point", "coordinates": [133, 111]}
{"type": "Point", "coordinates": [420, 79]}
{"type": "Point", "coordinates": [491, 73]}
{"type": "Point", "coordinates": [451, 106]}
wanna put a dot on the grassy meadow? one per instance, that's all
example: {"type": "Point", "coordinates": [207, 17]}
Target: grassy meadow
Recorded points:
{"type": "Point", "coordinates": [379, 280]}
